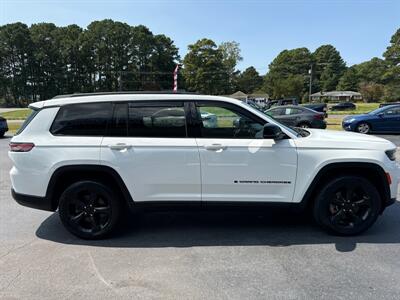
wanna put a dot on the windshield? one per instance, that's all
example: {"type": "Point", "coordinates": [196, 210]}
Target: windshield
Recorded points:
{"type": "Point", "coordinates": [379, 110]}
{"type": "Point", "coordinates": [294, 130]}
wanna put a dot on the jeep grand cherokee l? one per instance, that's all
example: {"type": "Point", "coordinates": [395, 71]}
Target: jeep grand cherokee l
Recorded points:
{"type": "Point", "coordinates": [92, 156]}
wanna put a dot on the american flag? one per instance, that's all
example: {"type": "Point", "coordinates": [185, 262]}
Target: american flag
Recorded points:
{"type": "Point", "coordinates": [176, 79]}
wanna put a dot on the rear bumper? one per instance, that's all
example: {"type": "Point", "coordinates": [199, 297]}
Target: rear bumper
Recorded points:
{"type": "Point", "coordinates": [42, 203]}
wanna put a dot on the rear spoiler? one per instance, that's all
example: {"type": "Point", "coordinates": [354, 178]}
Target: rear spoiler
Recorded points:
{"type": "Point", "coordinates": [36, 105]}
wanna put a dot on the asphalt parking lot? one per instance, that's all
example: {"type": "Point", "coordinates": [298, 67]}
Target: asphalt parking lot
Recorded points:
{"type": "Point", "coordinates": [194, 256]}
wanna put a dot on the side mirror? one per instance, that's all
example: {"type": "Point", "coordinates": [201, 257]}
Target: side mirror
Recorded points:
{"type": "Point", "coordinates": [272, 131]}
{"type": "Point", "coordinates": [381, 115]}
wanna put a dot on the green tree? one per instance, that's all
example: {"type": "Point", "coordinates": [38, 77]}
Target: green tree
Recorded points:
{"type": "Point", "coordinates": [392, 75]}
{"type": "Point", "coordinates": [231, 57]}
{"type": "Point", "coordinates": [371, 91]}
{"type": "Point", "coordinates": [349, 81]}
{"type": "Point", "coordinates": [15, 63]}
{"type": "Point", "coordinates": [372, 70]}
{"type": "Point", "coordinates": [204, 68]}
{"type": "Point", "coordinates": [73, 59]}
{"type": "Point", "coordinates": [249, 80]}
{"type": "Point", "coordinates": [292, 65]}
{"type": "Point", "coordinates": [47, 62]}
{"type": "Point", "coordinates": [328, 67]}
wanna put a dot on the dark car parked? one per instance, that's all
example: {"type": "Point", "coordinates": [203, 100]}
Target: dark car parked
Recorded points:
{"type": "Point", "coordinates": [280, 102]}
{"type": "Point", "coordinates": [344, 106]}
{"type": "Point", "coordinates": [319, 107]}
{"type": "Point", "coordinates": [389, 103]}
{"type": "Point", "coordinates": [382, 120]}
{"type": "Point", "coordinates": [3, 126]}
{"type": "Point", "coordinates": [298, 116]}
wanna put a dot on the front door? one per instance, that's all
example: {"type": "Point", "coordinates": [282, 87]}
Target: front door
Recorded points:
{"type": "Point", "coordinates": [237, 164]}
{"type": "Point", "coordinates": [148, 145]}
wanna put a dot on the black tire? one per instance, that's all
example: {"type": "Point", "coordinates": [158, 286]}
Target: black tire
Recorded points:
{"type": "Point", "coordinates": [347, 205]}
{"type": "Point", "coordinates": [304, 125]}
{"type": "Point", "coordinates": [89, 209]}
{"type": "Point", "coordinates": [363, 127]}
{"type": "Point", "coordinates": [2, 134]}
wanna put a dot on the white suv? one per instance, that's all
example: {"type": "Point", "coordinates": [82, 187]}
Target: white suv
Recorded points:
{"type": "Point", "coordinates": [94, 155]}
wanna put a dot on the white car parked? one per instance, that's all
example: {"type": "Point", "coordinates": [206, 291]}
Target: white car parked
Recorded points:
{"type": "Point", "coordinates": [92, 155]}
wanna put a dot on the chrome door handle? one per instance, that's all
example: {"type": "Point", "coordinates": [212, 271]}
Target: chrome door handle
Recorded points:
{"type": "Point", "coordinates": [215, 147]}
{"type": "Point", "coordinates": [119, 146]}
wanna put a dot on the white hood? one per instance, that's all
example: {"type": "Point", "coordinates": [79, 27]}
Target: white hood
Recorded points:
{"type": "Point", "coordinates": [342, 140]}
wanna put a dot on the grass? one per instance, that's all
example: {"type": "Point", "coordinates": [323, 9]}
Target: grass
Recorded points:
{"type": "Point", "coordinates": [361, 108]}
{"type": "Point", "coordinates": [13, 127]}
{"type": "Point", "coordinates": [20, 114]}
{"type": "Point", "coordinates": [334, 123]}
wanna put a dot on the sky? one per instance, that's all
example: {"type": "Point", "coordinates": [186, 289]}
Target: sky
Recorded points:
{"type": "Point", "coordinates": [359, 29]}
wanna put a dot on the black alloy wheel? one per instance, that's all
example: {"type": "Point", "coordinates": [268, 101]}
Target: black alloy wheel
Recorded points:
{"type": "Point", "coordinates": [89, 210]}
{"type": "Point", "coordinates": [347, 205]}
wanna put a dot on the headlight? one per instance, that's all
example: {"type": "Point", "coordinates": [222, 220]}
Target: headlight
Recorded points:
{"type": "Point", "coordinates": [350, 120]}
{"type": "Point", "coordinates": [391, 154]}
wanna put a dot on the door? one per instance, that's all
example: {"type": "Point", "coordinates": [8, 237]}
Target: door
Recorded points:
{"type": "Point", "coordinates": [292, 116]}
{"type": "Point", "coordinates": [390, 120]}
{"type": "Point", "coordinates": [147, 144]}
{"type": "Point", "coordinates": [237, 164]}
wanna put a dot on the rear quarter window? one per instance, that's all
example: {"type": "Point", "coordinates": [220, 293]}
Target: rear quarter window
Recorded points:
{"type": "Point", "coordinates": [86, 119]}
{"type": "Point", "coordinates": [29, 119]}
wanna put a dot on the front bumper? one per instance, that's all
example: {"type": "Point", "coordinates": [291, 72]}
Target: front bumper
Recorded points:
{"type": "Point", "coordinates": [42, 203]}
{"type": "Point", "coordinates": [348, 126]}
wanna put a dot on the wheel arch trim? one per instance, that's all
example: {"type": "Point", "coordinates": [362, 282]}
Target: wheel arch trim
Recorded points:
{"type": "Point", "coordinates": [307, 197]}
{"type": "Point", "coordinates": [101, 169]}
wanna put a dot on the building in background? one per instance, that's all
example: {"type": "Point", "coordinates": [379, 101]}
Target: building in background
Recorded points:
{"type": "Point", "coordinates": [336, 96]}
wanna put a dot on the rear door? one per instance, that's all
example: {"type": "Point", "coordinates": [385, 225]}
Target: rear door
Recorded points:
{"type": "Point", "coordinates": [147, 143]}
{"type": "Point", "coordinates": [237, 164]}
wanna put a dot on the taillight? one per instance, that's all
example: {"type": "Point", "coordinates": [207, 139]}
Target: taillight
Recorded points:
{"type": "Point", "coordinates": [21, 147]}
{"type": "Point", "coordinates": [319, 117]}
{"type": "Point", "coordinates": [389, 178]}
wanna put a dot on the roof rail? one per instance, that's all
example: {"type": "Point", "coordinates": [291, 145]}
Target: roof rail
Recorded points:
{"type": "Point", "coordinates": [121, 92]}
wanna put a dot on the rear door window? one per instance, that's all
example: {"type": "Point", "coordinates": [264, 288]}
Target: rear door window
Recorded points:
{"type": "Point", "coordinates": [86, 119]}
{"type": "Point", "coordinates": [157, 119]}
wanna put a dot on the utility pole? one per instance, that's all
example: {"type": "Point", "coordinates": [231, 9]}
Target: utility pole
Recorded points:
{"type": "Point", "coordinates": [310, 88]}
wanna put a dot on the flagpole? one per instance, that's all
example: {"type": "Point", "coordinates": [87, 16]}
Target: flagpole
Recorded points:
{"type": "Point", "coordinates": [175, 87]}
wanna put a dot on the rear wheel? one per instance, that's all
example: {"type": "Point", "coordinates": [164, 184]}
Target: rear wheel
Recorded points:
{"type": "Point", "coordinates": [363, 128]}
{"type": "Point", "coordinates": [347, 205]}
{"type": "Point", "coordinates": [304, 125]}
{"type": "Point", "coordinates": [89, 210]}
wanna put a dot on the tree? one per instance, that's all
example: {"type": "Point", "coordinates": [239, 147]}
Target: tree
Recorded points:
{"type": "Point", "coordinates": [15, 63]}
{"type": "Point", "coordinates": [47, 62]}
{"type": "Point", "coordinates": [292, 65]}
{"type": "Point", "coordinates": [372, 70]}
{"type": "Point", "coordinates": [230, 57]}
{"type": "Point", "coordinates": [371, 91]}
{"type": "Point", "coordinates": [249, 80]}
{"type": "Point", "coordinates": [349, 81]}
{"type": "Point", "coordinates": [392, 75]}
{"type": "Point", "coordinates": [204, 68]}
{"type": "Point", "coordinates": [73, 59]}
{"type": "Point", "coordinates": [328, 67]}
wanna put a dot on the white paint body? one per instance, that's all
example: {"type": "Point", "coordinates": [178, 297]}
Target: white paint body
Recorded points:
{"type": "Point", "coordinates": [183, 169]}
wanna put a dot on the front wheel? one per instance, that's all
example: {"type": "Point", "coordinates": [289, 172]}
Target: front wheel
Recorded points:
{"type": "Point", "coordinates": [347, 205]}
{"type": "Point", "coordinates": [89, 210]}
{"type": "Point", "coordinates": [363, 128]}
